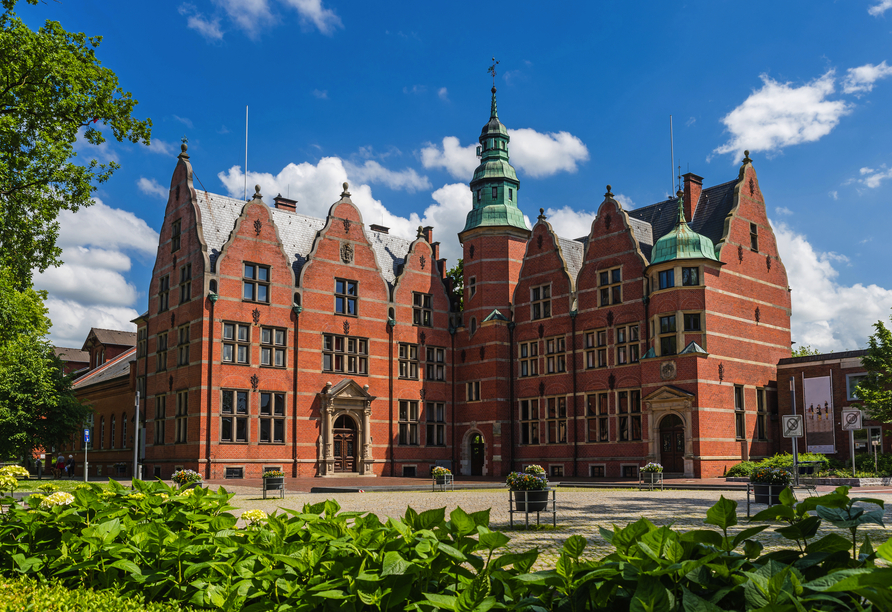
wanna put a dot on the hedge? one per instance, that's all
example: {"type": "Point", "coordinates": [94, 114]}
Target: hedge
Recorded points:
{"type": "Point", "coordinates": [23, 594]}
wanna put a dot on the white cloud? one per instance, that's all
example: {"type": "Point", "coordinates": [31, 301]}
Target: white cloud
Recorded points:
{"type": "Point", "coordinates": [373, 172]}
{"type": "Point", "coordinates": [251, 16]}
{"type": "Point", "coordinates": [184, 120]}
{"type": "Point", "coordinates": [880, 7]}
{"type": "Point", "coordinates": [106, 227]}
{"type": "Point", "coordinates": [780, 115]}
{"type": "Point", "coordinates": [536, 154]}
{"type": "Point", "coordinates": [72, 321]}
{"type": "Point", "coordinates": [161, 147]}
{"type": "Point", "coordinates": [152, 187]}
{"type": "Point", "coordinates": [103, 152]}
{"type": "Point", "coordinates": [862, 78]}
{"type": "Point", "coordinates": [872, 178]}
{"type": "Point", "coordinates": [827, 314]}
{"type": "Point", "coordinates": [444, 94]}
{"type": "Point", "coordinates": [322, 94]}
{"type": "Point", "coordinates": [312, 13]}
{"type": "Point", "coordinates": [223, 130]}
{"type": "Point", "coordinates": [783, 210]}
{"type": "Point", "coordinates": [691, 121]}
{"type": "Point", "coordinates": [834, 194]}
{"type": "Point", "coordinates": [208, 28]}
{"type": "Point", "coordinates": [457, 160]}
{"type": "Point", "coordinates": [415, 89]}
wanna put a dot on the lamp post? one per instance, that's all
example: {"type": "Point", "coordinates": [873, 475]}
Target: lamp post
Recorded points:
{"type": "Point", "coordinates": [136, 439]}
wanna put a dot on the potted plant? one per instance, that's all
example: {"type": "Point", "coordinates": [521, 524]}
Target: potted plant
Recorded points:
{"type": "Point", "coordinates": [530, 489]}
{"type": "Point", "coordinates": [274, 480]}
{"type": "Point", "coordinates": [187, 479]}
{"type": "Point", "coordinates": [768, 482]}
{"type": "Point", "coordinates": [439, 474]}
{"type": "Point", "coordinates": [652, 473]}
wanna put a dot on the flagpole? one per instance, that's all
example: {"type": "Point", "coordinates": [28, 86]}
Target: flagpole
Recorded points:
{"type": "Point", "coordinates": [246, 152]}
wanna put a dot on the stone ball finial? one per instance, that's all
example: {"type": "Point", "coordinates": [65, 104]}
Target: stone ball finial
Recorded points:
{"type": "Point", "coordinates": [420, 231]}
{"type": "Point", "coordinates": [493, 89]}
{"type": "Point", "coordinates": [346, 185]}
{"type": "Point", "coordinates": [746, 157]}
{"type": "Point", "coordinates": [184, 147]}
{"type": "Point", "coordinates": [541, 211]}
{"type": "Point", "coordinates": [609, 193]}
{"type": "Point", "coordinates": [257, 189]}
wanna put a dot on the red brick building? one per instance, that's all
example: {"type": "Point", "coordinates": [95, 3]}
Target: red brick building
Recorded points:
{"type": "Point", "coordinates": [328, 346]}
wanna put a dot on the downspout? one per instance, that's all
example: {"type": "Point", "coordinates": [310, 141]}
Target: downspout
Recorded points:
{"type": "Point", "coordinates": [511, 377]}
{"type": "Point", "coordinates": [390, 324]}
{"type": "Point", "coordinates": [452, 376]}
{"type": "Point", "coordinates": [212, 297]}
{"type": "Point", "coordinates": [297, 310]}
{"type": "Point", "coordinates": [573, 314]}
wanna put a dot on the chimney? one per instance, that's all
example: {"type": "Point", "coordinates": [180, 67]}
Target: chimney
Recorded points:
{"type": "Point", "coordinates": [442, 264]}
{"type": "Point", "coordinates": [428, 233]}
{"type": "Point", "coordinates": [379, 228]}
{"type": "Point", "coordinates": [285, 204]}
{"type": "Point", "coordinates": [435, 247]}
{"type": "Point", "coordinates": [693, 185]}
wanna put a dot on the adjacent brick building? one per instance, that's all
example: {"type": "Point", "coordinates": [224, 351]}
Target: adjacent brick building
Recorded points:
{"type": "Point", "coordinates": [329, 346]}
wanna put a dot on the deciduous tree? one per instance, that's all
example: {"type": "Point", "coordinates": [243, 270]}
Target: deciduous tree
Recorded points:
{"type": "Point", "coordinates": [875, 391]}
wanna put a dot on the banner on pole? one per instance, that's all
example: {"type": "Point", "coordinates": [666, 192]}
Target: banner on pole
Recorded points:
{"type": "Point", "coordinates": [819, 415]}
{"type": "Point", "coordinates": [793, 425]}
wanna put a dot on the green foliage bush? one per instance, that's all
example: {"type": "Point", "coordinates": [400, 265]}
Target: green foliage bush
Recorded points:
{"type": "Point", "coordinates": [187, 547]}
{"type": "Point", "coordinates": [780, 460]}
{"type": "Point", "coordinates": [742, 469]}
{"type": "Point", "coordinates": [24, 594]}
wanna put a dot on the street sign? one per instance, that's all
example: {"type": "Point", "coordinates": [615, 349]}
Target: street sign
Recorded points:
{"type": "Point", "coordinates": [851, 419]}
{"type": "Point", "coordinates": [86, 436]}
{"type": "Point", "coordinates": [793, 425]}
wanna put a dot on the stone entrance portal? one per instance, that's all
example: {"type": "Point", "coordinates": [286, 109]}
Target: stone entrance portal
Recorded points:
{"type": "Point", "coordinates": [670, 429]}
{"type": "Point", "coordinates": [345, 443]}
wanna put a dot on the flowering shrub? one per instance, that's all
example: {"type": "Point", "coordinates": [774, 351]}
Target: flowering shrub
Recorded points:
{"type": "Point", "coordinates": [35, 499]}
{"type": "Point", "coordinates": [438, 472]}
{"type": "Point", "coordinates": [519, 481]}
{"type": "Point", "coordinates": [186, 493]}
{"type": "Point", "coordinates": [772, 476]}
{"type": "Point", "coordinates": [652, 467]}
{"type": "Point", "coordinates": [254, 516]}
{"type": "Point", "coordinates": [47, 488]}
{"type": "Point", "coordinates": [184, 477]}
{"type": "Point", "coordinates": [274, 474]}
{"type": "Point", "coordinates": [16, 470]}
{"type": "Point", "coordinates": [59, 498]}
{"type": "Point", "coordinates": [538, 470]}
{"type": "Point", "coordinates": [8, 482]}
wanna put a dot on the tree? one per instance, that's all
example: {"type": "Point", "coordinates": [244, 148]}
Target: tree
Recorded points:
{"type": "Point", "coordinates": [805, 350]}
{"type": "Point", "coordinates": [53, 92]}
{"type": "Point", "coordinates": [875, 390]}
{"type": "Point", "coordinates": [457, 276]}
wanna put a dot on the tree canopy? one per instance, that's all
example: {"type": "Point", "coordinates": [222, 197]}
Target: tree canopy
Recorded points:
{"type": "Point", "coordinates": [457, 276]}
{"type": "Point", "coordinates": [805, 350]}
{"type": "Point", "coordinates": [54, 92]}
{"type": "Point", "coordinates": [875, 391]}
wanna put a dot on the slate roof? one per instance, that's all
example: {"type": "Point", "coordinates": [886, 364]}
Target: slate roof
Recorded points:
{"type": "Point", "coordinates": [71, 355]}
{"type": "Point", "coordinates": [110, 370]}
{"type": "Point", "coordinates": [823, 357]}
{"type": "Point", "coordinates": [112, 337]}
{"type": "Point", "coordinates": [297, 232]}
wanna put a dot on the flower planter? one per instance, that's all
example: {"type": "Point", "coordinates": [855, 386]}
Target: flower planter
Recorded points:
{"type": "Point", "coordinates": [441, 480]}
{"type": "Point", "coordinates": [530, 501]}
{"type": "Point", "coordinates": [767, 494]}
{"type": "Point", "coordinates": [651, 477]}
{"type": "Point", "coordinates": [191, 485]}
{"type": "Point", "coordinates": [274, 484]}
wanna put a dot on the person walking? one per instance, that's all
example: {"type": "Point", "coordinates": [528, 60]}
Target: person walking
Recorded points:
{"type": "Point", "coordinates": [60, 466]}
{"type": "Point", "coordinates": [72, 463]}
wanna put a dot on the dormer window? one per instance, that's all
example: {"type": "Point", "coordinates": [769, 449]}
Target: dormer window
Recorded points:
{"type": "Point", "coordinates": [510, 194]}
{"type": "Point", "coordinates": [495, 193]}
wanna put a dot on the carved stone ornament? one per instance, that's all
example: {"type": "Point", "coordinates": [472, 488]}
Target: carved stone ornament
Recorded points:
{"type": "Point", "coordinates": [758, 314]}
{"type": "Point", "coordinates": [610, 318]}
{"type": "Point", "coordinates": [768, 262]}
{"type": "Point", "coordinates": [347, 252]}
{"type": "Point", "coordinates": [752, 186]}
{"type": "Point", "coordinates": [255, 314]}
{"type": "Point", "coordinates": [421, 393]}
{"type": "Point", "coordinates": [541, 330]}
{"type": "Point", "coordinates": [257, 226]}
{"type": "Point", "coordinates": [740, 253]}
{"type": "Point", "coordinates": [607, 221]}
{"type": "Point", "coordinates": [423, 338]}
{"type": "Point", "coordinates": [346, 328]}
{"type": "Point", "coordinates": [541, 388]}
{"type": "Point", "coordinates": [539, 240]}
{"type": "Point", "coordinates": [346, 226]}
{"type": "Point", "coordinates": [721, 372]}
{"type": "Point", "coordinates": [254, 382]}
{"type": "Point", "coordinates": [668, 370]}
{"type": "Point", "coordinates": [611, 382]}
{"type": "Point", "coordinates": [422, 261]}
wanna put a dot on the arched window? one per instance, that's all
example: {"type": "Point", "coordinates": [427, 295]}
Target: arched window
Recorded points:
{"type": "Point", "coordinates": [111, 438]}
{"type": "Point", "coordinates": [124, 430]}
{"type": "Point", "coordinates": [473, 325]}
{"type": "Point", "coordinates": [102, 432]}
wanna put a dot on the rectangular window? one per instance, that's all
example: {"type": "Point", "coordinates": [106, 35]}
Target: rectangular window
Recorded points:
{"type": "Point", "coordinates": [175, 232]}
{"type": "Point", "coordinates": [852, 381]}
{"type": "Point", "coordinates": [761, 415]}
{"type": "Point", "coordinates": [540, 298]}
{"type": "Point", "coordinates": [408, 355]}
{"type": "Point", "coordinates": [529, 421]}
{"type": "Point", "coordinates": [183, 346]}
{"type": "Point", "coordinates": [628, 408]}
{"type": "Point", "coordinates": [667, 279]}
{"type": "Point", "coordinates": [596, 471]}
{"type": "Point", "coordinates": [495, 193]}
{"type": "Point", "coordinates": [422, 312]}
{"type": "Point", "coordinates": [556, 419]}
{"type": "Point", "coordinates": [667, 335]}
{"type": "Point", "coordinates": [255, 283]}
{"type": "Point", "coordinates": [163, 293]}
{"type": "Point", "coordinates": [510, 194]}
{"type": "Point", "coordinates": [473, 391]}
{"type": "Point", "coordinates": [141, 335]}
{"type": "Point", "coordinates": [473, 286]}
{"type": "Point", "coordinates": [596, 349]}
{"type": "Point", "coordinates": [435, 363]}
{"type": "Point", "coordinates": [692, 321]}
{"type": "Point", "coordinates": [272, 429]}
{"type": "Point", "coordinates": [160, 407]}
{"type": "Point", "coordinates": [272, 347]}
{"type": "Point", "coordinates": [611, 288]}
{"type": "Point", "coordinates": [345, 296]}
{"type": "Point", "coordinates": [235, 472]}
{"type": "Point", "coordinates": [690, 277]}
{"type": "Point", "coordinates": [345, 354]}
{"type": "Point", "coordinates": [182, 416]}
{"type": "Point", "coordinates": [479, 195]}
{"type": "Point", "coordinates": [754, 237]}
{"type": "Point", "coordinates": [185, 283]}
{"type": "Point", "coordinates": [408, 423]}
{"type": "Point", "coordinates": [739, 413]}
{"type": "Point", "coordinates": [597, 417]}
{"type": "Point", "coordinates": [161, 352]}
{"type": "Point", "coordinates": [436, 423]}
{"type": "Point", "coordinates": [529, 358]}
{"type": "Point", "coordinates": [555, 357]}
{"type": "Point", "coordinates": [234, 416]}
{"type": "Point", "coordinates": [236, 343]}
{"type": "Point", "coordinates": [627, 344]}
{"type": "Point", "coordinates": [111, 439]}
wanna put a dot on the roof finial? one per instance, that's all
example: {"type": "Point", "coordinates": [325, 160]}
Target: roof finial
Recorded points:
{"type": "Point", "coordinates": [608, 194]}
{"type": "Point", "coordinates": [494, 111]}
{"type": "Point", "coordinates": [420, 233]}
{"type": "Point", "coordinates": [345, 193]}
{"type": "Point", "coordinates": [257, 192]}
{"type": "Point", "coordinates": [746, 158]}
{"type": "Point", "coordinates": [183, 148]}
{"type": "Point", "coordinates": [542, 216]}
{"type": "Point", "coordinates": [681, 218]}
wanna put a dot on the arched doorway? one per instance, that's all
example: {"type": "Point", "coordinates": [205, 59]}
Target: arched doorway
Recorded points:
{"type": "Point", "coordinates": [344, 447]}
{"type": "Point", "coordinates": [478, 455]}
{"type": "Point", "coordinates": [672, 444]}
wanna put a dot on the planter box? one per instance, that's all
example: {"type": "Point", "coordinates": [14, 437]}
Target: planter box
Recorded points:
{"type": "Point", "coordinates": [531, 501]}
{"type": "Point", "coordinates": [767, 494]}
{"type": "Point", "coordinates": [650, 479]}
{"type": "Point", "coordinates": [274, 484]}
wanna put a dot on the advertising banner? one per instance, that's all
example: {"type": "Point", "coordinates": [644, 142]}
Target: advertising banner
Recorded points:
{"type": "Point", "coordinates": [820, 433]}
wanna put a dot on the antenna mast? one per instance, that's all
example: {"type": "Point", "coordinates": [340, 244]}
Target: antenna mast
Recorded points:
{"type": "Point", "coordinates": [246, 152]}
{"type": "Point", "coordinates": [671, 158]}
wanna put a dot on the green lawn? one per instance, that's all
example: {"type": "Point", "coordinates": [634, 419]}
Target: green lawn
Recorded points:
{"type": "Point", "coordinates": [30, 485]}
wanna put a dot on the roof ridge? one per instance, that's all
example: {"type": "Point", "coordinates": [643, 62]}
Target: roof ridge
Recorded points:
{"type": "Point", "coordinates": [104, 366]}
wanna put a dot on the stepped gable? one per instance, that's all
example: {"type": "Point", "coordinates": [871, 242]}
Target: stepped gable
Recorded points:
{"type": "Point", "coordinates": [574, 249]}
{"type": "Point", "coordinates": [297, 232]}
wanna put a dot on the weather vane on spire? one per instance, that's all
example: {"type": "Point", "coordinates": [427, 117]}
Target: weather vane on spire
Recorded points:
{"type": "Point", "coordinates": [492, 70]}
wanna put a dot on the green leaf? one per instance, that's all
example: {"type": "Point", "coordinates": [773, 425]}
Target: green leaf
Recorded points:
{"type": "Point", "coordinates": [885, 550]}
{"type": "Point", "coordinates": [787, 498]}
{"type": "Point", "coordinates": [723, 514]}
{"type": "Point", "coordinates": [650, 596]}
{"type": "Point", "coordinates": [394, 564]}
{"type": "Point", "coordinates": [830, 543]}
{"type": "Point", "coordinates": [432, 518]}
{"type": "Point", "coordinates": [752, 549]}
{"type": "Point", "coordinates": [462, 522]}
{"type": "Point", "coordinates": [575, 545]}
{"type": "Point", "coordinates": [695, 603]}
{"type": "Point", "coordinates": [493, 539]}
{"type": "Point", "coordinates": [702, 536]}
{"type": "Point", "coordinates": [631, 533]}
{"type": "Point", "coordinates": [746, 534]}
{"type": "Point", "coordinates": [443, 602]}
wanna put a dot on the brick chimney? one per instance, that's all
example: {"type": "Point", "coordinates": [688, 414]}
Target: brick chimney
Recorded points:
{"type": "Point", "coordinates": [428, 233]}
{"type": "Point", "coordinates": [285, 204]}
{"type": "Point", "coordinates": [693, 185]}
{"type": "Point", "coordinates": [435, 247]}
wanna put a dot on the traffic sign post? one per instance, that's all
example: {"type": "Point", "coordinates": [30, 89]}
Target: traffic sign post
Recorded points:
{"type": "Point", "coordinates": [794, 427]}
{"type": "Point", "coordinates": [86, 444]}
{"type": "Point", "coordinates": [851, 420]}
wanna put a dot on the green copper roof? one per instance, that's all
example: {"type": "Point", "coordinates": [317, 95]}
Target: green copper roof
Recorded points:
{"type": "Point", "coordinates": [682, 242]}
{"type": "Point", "coordinates": [495, 315]}
{"type": "Point", "coordinates": [494, 185]}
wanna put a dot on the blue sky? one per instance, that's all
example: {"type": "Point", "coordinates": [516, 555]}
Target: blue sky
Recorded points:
{"type": "Point", "coordinates": [392, 96]}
